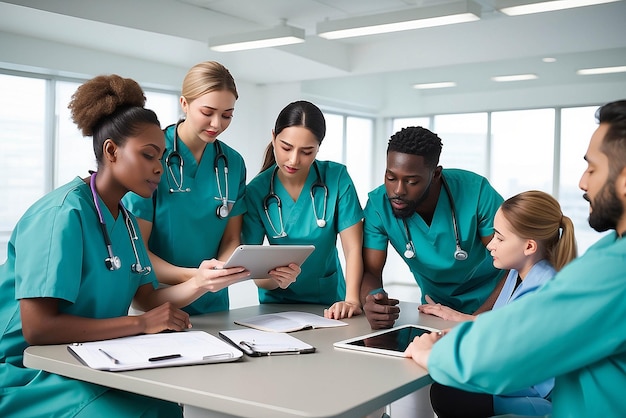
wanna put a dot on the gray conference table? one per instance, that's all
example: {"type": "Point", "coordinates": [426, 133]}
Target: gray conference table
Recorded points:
{"type": "Point", "coordinates": [328, 383]}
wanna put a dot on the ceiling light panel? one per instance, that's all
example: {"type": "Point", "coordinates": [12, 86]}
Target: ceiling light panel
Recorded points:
{"type": "Point", "coordinates": [523, 7]}
{"type": "Point", "coordinates": [444, 14]}
{"type": "Point", "coordinates": [515, 77]}
{"type": "Point", "coordinates": [277, 36]}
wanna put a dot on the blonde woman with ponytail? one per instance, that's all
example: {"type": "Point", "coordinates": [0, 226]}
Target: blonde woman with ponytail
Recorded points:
{"type": "Point", "coordinates": [533, 240]}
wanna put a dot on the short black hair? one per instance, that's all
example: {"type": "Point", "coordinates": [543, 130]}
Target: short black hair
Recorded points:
{"type": "Point", "coordinates": [417, 141]}
{"type": "Point", "coordinates": [614, 142]}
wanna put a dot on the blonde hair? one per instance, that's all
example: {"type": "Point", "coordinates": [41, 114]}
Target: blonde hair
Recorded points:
{"type": "Point", "coordinates": [206, 77]}
{"type": "Point", "coordinates": [537, 215]}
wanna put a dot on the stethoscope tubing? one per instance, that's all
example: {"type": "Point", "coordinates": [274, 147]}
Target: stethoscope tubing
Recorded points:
{"type": "Point", "coordinates": [174, 157]}
{"type": "Point", "coordinates": [113, 262]}
{"type": "Point", "coordinates": [459, 254]}
{"type": "Point", "coordinates": [320, 222]}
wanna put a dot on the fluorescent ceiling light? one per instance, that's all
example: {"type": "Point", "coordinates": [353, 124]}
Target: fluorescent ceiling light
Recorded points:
{"type": "Point", "coordinates": [524, 7]}
{"type": "Point", "coordinates": [444, 14]}
{"type": "Point", "coordinates": [278, 36]}
{"type": "Point", "coordinates": [516, 77]}
{"type": "Point", "coordinates": [603, 70]}
{"type": "Point", "coordinates": [440, 85]}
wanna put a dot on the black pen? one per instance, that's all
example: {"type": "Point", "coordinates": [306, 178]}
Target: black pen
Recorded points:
{"type": "Point", "coordinates": [165, 357]}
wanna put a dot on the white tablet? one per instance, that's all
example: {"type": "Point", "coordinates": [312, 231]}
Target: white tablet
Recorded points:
{"type": "Point", "coordinates": [392, 341]}
{"type": "Point", "coordinates": [260, 259]}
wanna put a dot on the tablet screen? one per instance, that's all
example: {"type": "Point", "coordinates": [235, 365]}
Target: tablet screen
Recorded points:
{"type": "Point", "coordinates": [391, 341]}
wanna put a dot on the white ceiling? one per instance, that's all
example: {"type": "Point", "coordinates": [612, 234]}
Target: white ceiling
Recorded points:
{"type": "Point", "coordinates": [175, 32]}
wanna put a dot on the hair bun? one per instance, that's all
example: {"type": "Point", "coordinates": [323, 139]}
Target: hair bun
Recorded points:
{"type": "Point", "coordinates": [102, 96]}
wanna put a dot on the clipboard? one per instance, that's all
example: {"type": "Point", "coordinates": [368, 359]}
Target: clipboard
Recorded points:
{"type": "Point", "coordinates": [257, 343]}
{"type": "Point", "coordinates": [154, 350]}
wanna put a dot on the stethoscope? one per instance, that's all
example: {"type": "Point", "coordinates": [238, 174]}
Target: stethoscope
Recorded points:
{"type": "Point", "coordinates": [174, 157]}
{"type": "Point", "coordinates": [321, 222]}
{"type": "Point", "coordinates": [113, 262]}
{"type": "Point", "coordinates": [459, 253]}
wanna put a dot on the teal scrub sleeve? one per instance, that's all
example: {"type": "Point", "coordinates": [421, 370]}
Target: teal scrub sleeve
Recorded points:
{"type": "Point", "coordinates": [253, 228]}
{"type": "Point", "coordinates": [374, 232]}
{"type": "Point", "coordinates": [139, 206]}
{"type": "Point", "coordinates": [488, 204]}
{"type": "Point", "coordinates": [240, 207]}
{"type": "Point", "coordinates": [50, 247]}
{"type": "Point", "coordinates": [572, 328]}
{"type": "Point", "coordinates": [348, 206]}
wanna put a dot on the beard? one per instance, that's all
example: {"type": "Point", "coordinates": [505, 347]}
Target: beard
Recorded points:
{"type": "Point", "coordinates": [606, 209]}
{"type": "Point", "coordinates": [411, 205]}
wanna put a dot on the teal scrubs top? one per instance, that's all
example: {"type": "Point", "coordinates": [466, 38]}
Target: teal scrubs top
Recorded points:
{"type": "Point", "coordinates": [572, 328]}
{"type": "Point", "coordinates": [321, 280]}
{"type": "Point", "coordinates": [57, 250]}
{"type": "Point", "coordinates": [185, 227]}
{"type": "Point", "coordinates": [462, 285]}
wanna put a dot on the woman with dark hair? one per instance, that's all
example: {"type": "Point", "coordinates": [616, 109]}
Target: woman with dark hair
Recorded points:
{"type": "Point", "coordinates": [76, 261]}
{"type": "Point", "coordinates": [296, 199]}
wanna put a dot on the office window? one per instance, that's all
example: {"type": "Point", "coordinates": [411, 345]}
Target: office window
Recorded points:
{"type": "Point", "coordinates": [349, 140]}
{"type": "Point", "coordinates": [332, 146]}
{"type": "Point", "coordinates": [464, 138]}
{"type": "Point", "coordinates": [74, 153]}
{"type": "Point", "coordinates": [399, 123]}
{"type": "Point", "coordinates": [23, 143]}
{"type": "Point", "coordinates": [577, 126]}
{"type": "Point", "coordinates": [522, 151]}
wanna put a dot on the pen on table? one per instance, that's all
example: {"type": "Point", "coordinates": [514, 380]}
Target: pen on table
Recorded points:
{"type": "Point", "coordinates": [270, 348]}
{"type": "Point", "coordinates": [165, 357]}
{"type": "Point", "coordinates": [113, 359]}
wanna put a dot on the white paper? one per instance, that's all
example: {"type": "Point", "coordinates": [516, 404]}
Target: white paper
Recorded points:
{"type": "Point", "coordinates": [289, 321]}
{"type": "Point", "coordinates": [194, 347]}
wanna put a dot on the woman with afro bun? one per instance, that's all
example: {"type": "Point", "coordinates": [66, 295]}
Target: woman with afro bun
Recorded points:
{"type": "Point", "coordinates": [76, 261]}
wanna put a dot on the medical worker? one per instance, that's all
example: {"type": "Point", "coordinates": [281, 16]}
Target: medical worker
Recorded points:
{"type": "Point", "coordinates": [296, 199]}
{"type": "Point", "coordinates": [196, 212]}
{"type": "Point", "coordinates": [572, 328]}
{"type": "Point", "coordinates": [533, 240]}
{"type": "Point", "coordinates": [438, 220]}
{"type": "Point", "coordinates": [76, 261]}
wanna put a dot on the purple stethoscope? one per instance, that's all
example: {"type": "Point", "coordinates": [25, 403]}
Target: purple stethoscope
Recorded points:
{"type": "Point", "coordinates": [113, 262]}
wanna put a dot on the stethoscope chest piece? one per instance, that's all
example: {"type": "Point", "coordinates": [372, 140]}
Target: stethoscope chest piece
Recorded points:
{"type": "Point", "coordinates": [223, 210]}
{"type": "Point", "coordinates": [113, 262]}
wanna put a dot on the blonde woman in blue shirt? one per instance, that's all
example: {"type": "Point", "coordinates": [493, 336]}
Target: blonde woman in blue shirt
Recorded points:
{"type": "Point", "coordinates": [296, 199]}
{"type": "Point", "coordinates": [533, 240]}
{"type": "Point", "coordinates": [573, 327]}
{"type": "Point", "coordinates": [76, 261]}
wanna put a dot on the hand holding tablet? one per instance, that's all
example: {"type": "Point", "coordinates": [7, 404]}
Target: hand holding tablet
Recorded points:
{"type": "Point", "coordinates": [261, 259]}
